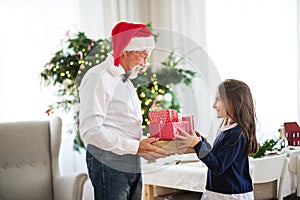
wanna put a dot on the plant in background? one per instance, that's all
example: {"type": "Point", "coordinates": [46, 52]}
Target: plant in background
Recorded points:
{"type": "Point", "coordinates": [80, 53]}
{"type": "Point", "coordinates": [267, 146]}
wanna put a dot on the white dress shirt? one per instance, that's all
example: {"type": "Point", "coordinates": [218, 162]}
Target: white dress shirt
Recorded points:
{"type": "Point", "coordinates": [110, 115]}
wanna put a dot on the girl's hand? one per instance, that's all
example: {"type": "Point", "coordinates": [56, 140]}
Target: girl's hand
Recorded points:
{"type": "Point", "coordinates": [186, 140]}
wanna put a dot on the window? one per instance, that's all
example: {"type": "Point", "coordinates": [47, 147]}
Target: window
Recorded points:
{"type": "Point", "coordinates": [256, 41]}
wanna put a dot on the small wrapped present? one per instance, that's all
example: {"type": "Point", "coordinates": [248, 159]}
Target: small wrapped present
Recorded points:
{"type": "Point", "coordinates": [189, 119]}
{"type": "Point", "coordinates": [168, 131]}
{"type": "Point", "coordinates": [163, 116]}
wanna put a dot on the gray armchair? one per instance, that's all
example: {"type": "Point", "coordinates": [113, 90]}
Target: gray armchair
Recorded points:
{"type": "Point", "coordinates": [29, 163]}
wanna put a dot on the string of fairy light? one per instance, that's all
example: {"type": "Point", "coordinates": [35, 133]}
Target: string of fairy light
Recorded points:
{"type": "Point", "coordinates": [76, 64]}
{"type": "Point", "coordinates": [155, 90]}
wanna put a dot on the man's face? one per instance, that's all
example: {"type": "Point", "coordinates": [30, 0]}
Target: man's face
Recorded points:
{"type": "Point", "coordinates": [135, 59]}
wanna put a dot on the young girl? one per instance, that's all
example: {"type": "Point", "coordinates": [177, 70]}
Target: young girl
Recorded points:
{"type": "Point", "coordinates": [228, 175]}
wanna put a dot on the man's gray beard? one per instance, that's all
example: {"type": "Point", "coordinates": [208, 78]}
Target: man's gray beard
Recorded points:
{"type": "Point", "coordinates": [134, 72]}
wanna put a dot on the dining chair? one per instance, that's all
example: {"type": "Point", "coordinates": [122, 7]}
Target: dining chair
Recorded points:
{"type": "Point", "coordinates": [29, 163]}
{"type": "Point", "coordinates": [294, 168]}
{"type": "Point", "coordinates": [267, 176]}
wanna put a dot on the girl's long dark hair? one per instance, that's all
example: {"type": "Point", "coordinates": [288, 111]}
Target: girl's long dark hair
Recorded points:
{"type": "Point", "coordinates": [238, 100]}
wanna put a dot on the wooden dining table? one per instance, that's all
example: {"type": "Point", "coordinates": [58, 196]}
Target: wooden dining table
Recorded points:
{"type": "Point", "coordinates": [182, 172]}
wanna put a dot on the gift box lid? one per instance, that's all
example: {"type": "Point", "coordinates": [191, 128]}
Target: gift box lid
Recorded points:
{"type": "Point", "coordinates": [160, 116]}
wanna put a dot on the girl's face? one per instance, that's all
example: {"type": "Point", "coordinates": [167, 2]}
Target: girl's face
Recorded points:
{"type": "Point", "coordinates": [220, 107]}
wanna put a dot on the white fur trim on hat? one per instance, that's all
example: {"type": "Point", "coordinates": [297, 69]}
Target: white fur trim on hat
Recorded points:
{"type": "Point", "coordinates": [116, 71]}
{"type": "Point", "coordinates": [140, 44]}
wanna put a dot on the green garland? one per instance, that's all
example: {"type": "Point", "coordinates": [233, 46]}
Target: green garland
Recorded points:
{"type": "Point", "coordinates": [268, 145]}
{"type": "Point", "coordinates": [80, 53]}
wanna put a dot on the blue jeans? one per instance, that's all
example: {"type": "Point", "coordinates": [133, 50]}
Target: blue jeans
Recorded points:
{"type": "Point", "coordinates": [109, 181]}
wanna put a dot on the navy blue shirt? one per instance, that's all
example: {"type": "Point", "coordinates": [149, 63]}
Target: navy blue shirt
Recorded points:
{"type": "Point", "coordinates": [227, 162]}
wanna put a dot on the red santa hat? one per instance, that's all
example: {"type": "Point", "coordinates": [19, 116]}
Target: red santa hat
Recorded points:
{"type": "Point", "coordinates": [130, 37]}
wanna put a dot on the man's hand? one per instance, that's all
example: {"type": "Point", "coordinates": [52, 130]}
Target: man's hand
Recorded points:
{"type": "Point", "coordinates": [149, 151]}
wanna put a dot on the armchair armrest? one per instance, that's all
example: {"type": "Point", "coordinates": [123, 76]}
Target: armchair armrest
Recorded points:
{"type": "Point", "coordinates": [69, 187]}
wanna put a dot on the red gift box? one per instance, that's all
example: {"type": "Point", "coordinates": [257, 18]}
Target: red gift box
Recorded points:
{"type": "Point", "coordinates": [167, 131]}
{"type": "Point", "coordinates": [162, 116]}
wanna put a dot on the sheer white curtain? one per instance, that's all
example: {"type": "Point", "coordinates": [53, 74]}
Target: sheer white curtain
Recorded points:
{"type": "Point", "coordinates": [187, 17]}
{"type": "Point", "coordinates": [181, 19]}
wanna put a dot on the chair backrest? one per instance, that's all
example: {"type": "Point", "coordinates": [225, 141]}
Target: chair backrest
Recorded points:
{"type": "Point", "coordinates": [294, 168]}
{"type": "Point", "coordinates": [266, 170]}
{"type": "Point", "coordinates": [28, 159]}
{"type": "Point", "coordinates": [293, 155]}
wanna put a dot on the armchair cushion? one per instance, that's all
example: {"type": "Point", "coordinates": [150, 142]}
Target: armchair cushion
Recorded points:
{"type": "Point", "coordinates": [25, 161]}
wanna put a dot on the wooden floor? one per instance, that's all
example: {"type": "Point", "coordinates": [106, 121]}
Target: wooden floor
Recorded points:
{"type": "Point", "coordinates": [292, 197]}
